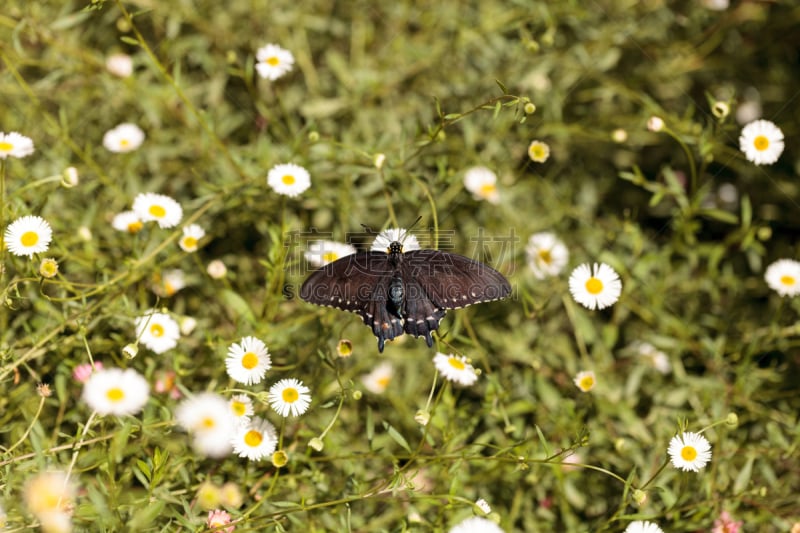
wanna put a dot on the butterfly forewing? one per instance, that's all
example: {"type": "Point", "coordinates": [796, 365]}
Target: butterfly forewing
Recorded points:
{"type": "Point", "coordinates": [452, 281]}
{"type": "Point", "coordinates": [347, 283]}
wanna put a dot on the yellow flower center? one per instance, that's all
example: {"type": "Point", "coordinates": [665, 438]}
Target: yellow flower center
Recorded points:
{"type": "Point", "coordinates": [123, 143]}
{"type": "Point", "coordinates": [253, 438]}
{"type": "Point", "coordinates": [456, 363]}
{"type": "Point", "coordinates": [290, 395]}
{"type": "Point", "coordinates": [545, 256]}
{"type": "Point", "coordinates": [169, 288]}
{"type": "Point", "coordinates": [288, 179]}
{"type": "Point", "coordinates": [29, 238]}
{"type": "Point", "coordinates": [249, 360]}
{"type": "Point", "coordinates": [487, 190]}
{"type": "Point", "coordinates": [48, 268]}
{"type": "Point", "coordinates": [330, 257]}
{"type": "Point", "coordinates": [135, 227]}
{"type": "Point", "coordinates": [157, 211]}
{"type": "Point", "coordinates": [586, 383]}
{"type": "Point", "coordinates": [239, 409]}
{"type": "Point", "coordinates": [156, 330]}
{"type": "Point", "coordinates": [761, 143]}
{"type": "Point", "coordinates": [6, 146]}
{"type": "Point", "coordinates": [115, 395]}
{"type": "Point", "coordinates": [189, 242]}
{"type": "Point", "coordinates": [384, 381]}
{"type": "Point", "coordinates": [208, 423]}
{"type": "Point", "coordinates": [788, 280]}
{"type": "Point", "coordinates": [594, 286]}
{"type": "Point", "coordinates": [272, 61]}
{"type": "Point", "coordinates": [688, 453]}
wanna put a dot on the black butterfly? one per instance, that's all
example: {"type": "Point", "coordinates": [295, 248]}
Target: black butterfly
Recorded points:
{"type": "Point", "coordinates": [398, 292]}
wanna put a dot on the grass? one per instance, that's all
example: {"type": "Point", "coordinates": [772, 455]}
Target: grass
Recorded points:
{"type": "Point", "coordinates": [435, 91]}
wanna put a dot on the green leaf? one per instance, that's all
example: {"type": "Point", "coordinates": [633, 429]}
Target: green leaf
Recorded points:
{"type": "Point", "coordinates": [129, 40]}
{"type": "Point", "coordinates": [370, 425]}
{"type": "Point", "coordinates": [239, 307]}
{"type": "Point", "coordinates": [743, 477]}
{"type": "Point", "coordinates": [719, 214]}
{"type": "Point", "coordinates": [144, 517]}
{"type": "Point", "coordinates": [543, 441]}
{"type": "Point", "coordinates": [397, 437]}
{"type": "Point", "coordinates": [501, 85]}
{"type": "Point", "coordinates": [747, 212]}
{"type": "Point", "coordinates": [144, 468]}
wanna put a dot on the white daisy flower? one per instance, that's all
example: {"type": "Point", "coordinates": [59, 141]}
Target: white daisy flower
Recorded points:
{"type": "Point", "coordinates": [191, 235]}
{"type": "Point", "coordinates": [70, 177]}
{"type": "Point", "coordinates": [654, 356]}
{"type": "Point", "coordinates": [113, 391]}
{"type": "Point", "coordinates": [256, 440]}
{"type": "Point", "coordinates": [169, 282]}
{"type": "Point", "coordinates": [595, 287]}
{"type": "Point", "coordinates": [378, 380]}
{"type": "Point", "coordinates": [207, 418]}
{"type": "Point", "coordinates": [120, 65]}
{"type": "Point", "coordinates": [28, 235]}
{"type": "Point", "coordinates": [216, 269]}
{"type": "Point", "coordinates": [157, 331]}
{"type": "Point", "coordinates": [783, 276]}
{"type": "Point", "coordinates": [455, 368]}
{"type": "Point", "coordinates": [152, 207]}
{"type": "Point", "coordinates": [762, 142]}
{"type": "Point", "coordinates": [289, 396]}
{"type": "Point", "coordinates": [241, 406]}
{"type": "Point", "coordinates": [320, 253]}
{"type": "Point", "coordinates": [50, 496]}
{"type": "Point", "coordinates": [641, 526]}
{"type": "Point", "coordinates": [273, 62]}
{"type": "Point", "coordinates": [127, 221]}
{"type": "Point", "coordinates": [48, 268]}
{"type": "Point", "coordinates": [249, 361]}
{"type": "Point", "coordinates": [538, 151]}
{"type": "Point", "coordinates": [476, 524]}
{"type": "Point", "coordinates": [387, 237]}
{"type": "Point", "coordinates": [15, 145]}
{"type": "Point", "coordinates": [483, 505]}
{"type": "Point", "coordinates": [124, 138]}
{"type": "Point", "coordinates": [655, 124]}
{"type": "Point", "coordinates": [547, 255]}
{"type": "Point", "coordinates": [689, 451]}
{"type": "Point", "coordinates": [482, 183]}
{"type": "Point", "coordinates": [288, 179]}
{"type": "Point", "coordinates": [585, 380]}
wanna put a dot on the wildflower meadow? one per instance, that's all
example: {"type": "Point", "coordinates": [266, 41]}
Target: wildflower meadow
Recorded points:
{"type": "Point", "coordinates": [588, 216]}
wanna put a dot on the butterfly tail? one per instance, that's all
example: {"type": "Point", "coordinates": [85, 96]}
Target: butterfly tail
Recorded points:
{"type": "Point", "coordinates": [385, 326]}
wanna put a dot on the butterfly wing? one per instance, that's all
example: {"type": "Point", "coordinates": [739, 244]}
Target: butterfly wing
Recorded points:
{"type": "Point", "coordinates": [358, 283]}
{"type": "Point", "coordinates": [451, 281]}
{"type": "Point", "coordinates": [421, 315]}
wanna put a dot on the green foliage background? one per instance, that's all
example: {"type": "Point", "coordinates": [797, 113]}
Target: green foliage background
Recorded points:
{"type": "Point", "coordinates": [437, 88]}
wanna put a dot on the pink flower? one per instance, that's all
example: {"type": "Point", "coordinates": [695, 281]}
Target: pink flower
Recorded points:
{"type": "Point", "coordinates": [82, 372]}
{"type": "Point", "coordinates": [166, 383]}
{"type": "Point", "coordinates": [219, 518]}
{"type": "Point", "coordinates": [726, 524]}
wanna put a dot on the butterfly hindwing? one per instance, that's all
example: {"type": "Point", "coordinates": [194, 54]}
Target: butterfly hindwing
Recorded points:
{"type": "Point", "coordinates": [421, 315]}
{"type": "Point", "coordinates": [452, 281]}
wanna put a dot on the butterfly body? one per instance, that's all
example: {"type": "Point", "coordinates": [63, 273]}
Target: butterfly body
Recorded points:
{"type": "Point", "coordinates": [396, 292]}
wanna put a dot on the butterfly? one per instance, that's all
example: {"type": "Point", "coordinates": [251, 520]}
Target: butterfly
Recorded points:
{"type": "Point", "coordinates": [396, 292]}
